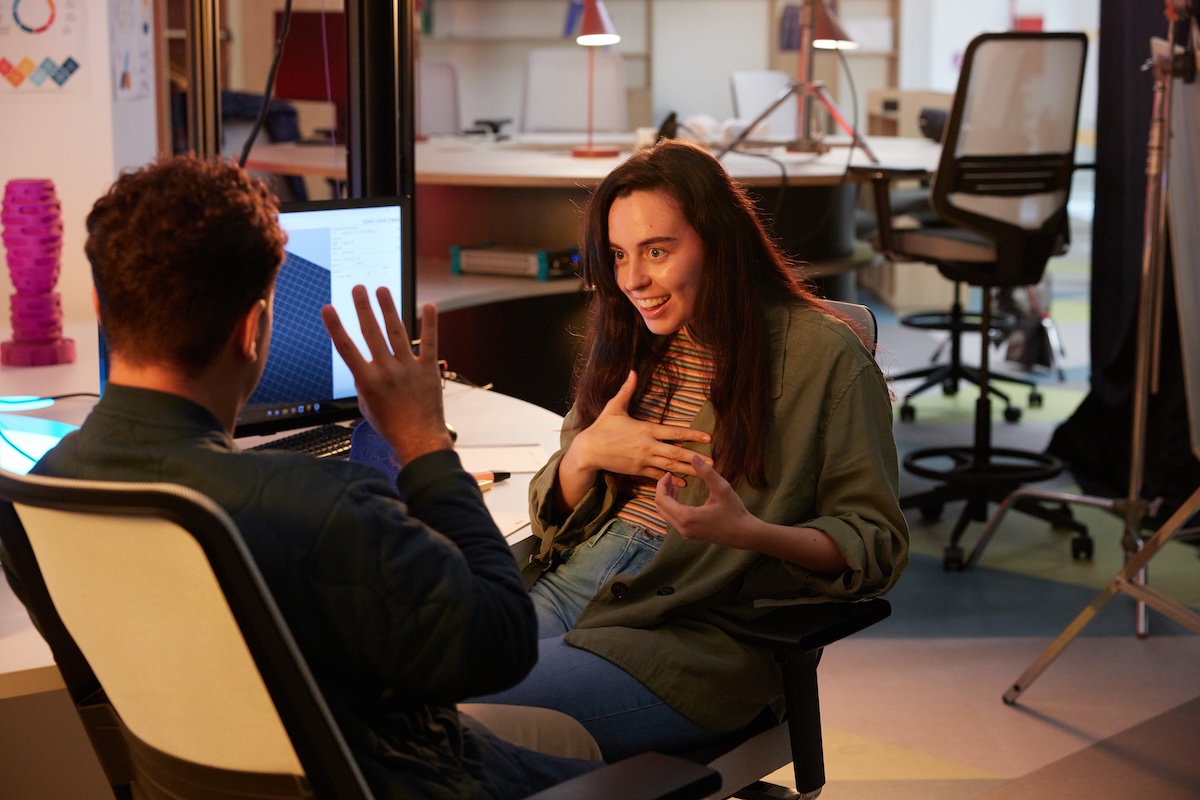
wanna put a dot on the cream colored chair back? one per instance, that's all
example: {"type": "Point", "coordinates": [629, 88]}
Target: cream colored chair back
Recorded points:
{"type": "Point", "coordinates": [156, 588]}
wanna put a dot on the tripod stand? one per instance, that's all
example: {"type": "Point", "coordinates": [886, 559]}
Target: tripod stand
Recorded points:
{"type": "Point", "coordinates": [806, 91]}
{"type": "Point", "coordinates": [1131, 579]}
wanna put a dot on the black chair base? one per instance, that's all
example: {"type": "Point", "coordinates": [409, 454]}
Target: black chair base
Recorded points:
{"type": "Point", "coordinates": [979, 483]}
{"type": "Point", "coordinates": [956, 322]}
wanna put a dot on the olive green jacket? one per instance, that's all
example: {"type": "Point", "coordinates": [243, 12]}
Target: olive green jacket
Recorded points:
{"type": "Point", "coordinates": [831, 464]}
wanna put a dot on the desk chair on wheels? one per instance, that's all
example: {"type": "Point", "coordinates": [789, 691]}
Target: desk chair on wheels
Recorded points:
{"type": "Point", "coordinates": [181, 667]}
{"type": "Point", "coordinates": [1001, 187]}
{"type": "Point", "coordinates": [797, 635]}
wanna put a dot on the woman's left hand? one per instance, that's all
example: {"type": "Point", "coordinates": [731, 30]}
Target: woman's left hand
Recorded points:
{"type": "Point", "coordinates": [722, 519]}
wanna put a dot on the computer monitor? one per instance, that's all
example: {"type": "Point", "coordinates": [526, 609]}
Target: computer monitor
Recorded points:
{"type": "Point", "coordinates": [332, 246]}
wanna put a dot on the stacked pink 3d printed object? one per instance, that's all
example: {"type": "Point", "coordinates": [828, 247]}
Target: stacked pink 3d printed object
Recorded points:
{"type": "Point", "coordinates": [31, 225]}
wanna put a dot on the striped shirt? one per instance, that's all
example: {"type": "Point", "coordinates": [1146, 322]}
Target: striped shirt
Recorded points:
{"type": "Point", "coordinates": [678, 387]}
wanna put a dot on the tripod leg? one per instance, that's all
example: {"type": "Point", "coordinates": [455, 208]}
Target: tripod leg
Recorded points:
{"type": "Point", "coordinates": [1121, 583]}
{"type": "Point", "coordinates": [857, 141]}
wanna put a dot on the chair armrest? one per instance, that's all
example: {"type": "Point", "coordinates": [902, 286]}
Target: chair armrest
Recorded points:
{"type": "Point", "coordinates": [810, 626]}
{"type": "Point", "coordinates": [881, 177]}
{"type": "Point", "coordinates": [649, 776]}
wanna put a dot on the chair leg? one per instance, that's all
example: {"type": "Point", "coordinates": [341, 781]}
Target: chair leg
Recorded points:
{"type": "Point", "coordinates": [949, 375]}
{"type": "Point", "coordinates": [804, 721]}
{"type": "Point", "coordinates": [979, 473]}
{"type": "Point", "coordinates": [1055, 347]}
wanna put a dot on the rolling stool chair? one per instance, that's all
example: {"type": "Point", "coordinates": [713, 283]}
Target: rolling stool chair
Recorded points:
{"type": "Point", "coordinates": [1001, 187]}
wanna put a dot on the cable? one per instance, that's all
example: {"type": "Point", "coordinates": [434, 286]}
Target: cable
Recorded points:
{"type": "Point", "coordinates": [266, 103]}
{"type": "Point", "coordinates": [19, 451]}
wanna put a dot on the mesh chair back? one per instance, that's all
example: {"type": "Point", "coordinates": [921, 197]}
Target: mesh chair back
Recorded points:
{"type": "Point", "coordinates": [157, 590]}
{"type": "Point", "coordinates": [754, 90]}
{"type": "Point", "coordinates": [555, 96]}
{"type": "Point", "coordinates": [437, 109]}
{"type": "Point", "coordinates": [1009, 150]}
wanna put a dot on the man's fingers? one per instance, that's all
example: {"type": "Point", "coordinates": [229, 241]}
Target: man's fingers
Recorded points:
{"type": "Point", "coordinates": [429, 333]}
{"type": "Point", "coordinates": [341, 340]}
{"type": "Point", "coordinates": [367, 323]}
{"type": "Point", "coordinates": [397, 334]}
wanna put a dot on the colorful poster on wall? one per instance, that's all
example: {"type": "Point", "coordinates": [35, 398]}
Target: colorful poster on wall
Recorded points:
{"type": "Point", "coordinates": [131, 41]}
{"type": "Point", "coordinates": [43, 48]}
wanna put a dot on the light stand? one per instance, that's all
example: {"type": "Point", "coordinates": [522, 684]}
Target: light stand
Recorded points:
{"type": "Point", "coordinates": [1131, 579]}
{"type": "Point", "coordinates": [819, 30]}
{"type": "Point", "coordinates": [595, 30]}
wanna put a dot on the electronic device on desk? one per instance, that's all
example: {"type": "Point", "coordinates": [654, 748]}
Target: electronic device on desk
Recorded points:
{"type": "Point", "coordinates": [332, 246]}
{"type": "Point", "coordinates": [526, 262]}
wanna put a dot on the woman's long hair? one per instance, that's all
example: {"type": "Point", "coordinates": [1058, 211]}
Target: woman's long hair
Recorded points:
{"type": "Point", "coordinates": [744, 274]}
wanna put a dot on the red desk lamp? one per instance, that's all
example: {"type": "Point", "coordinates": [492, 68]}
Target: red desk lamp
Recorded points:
{"type": "Point", "coordinates": [820, 30]}
{"type": "Point", "coordinates": [595, 30]}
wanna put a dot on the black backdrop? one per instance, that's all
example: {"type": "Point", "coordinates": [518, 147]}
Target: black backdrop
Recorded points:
{"type": "Point", "coordinates": [1095, 440]}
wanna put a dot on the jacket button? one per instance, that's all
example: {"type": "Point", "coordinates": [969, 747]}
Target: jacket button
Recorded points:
{"type": "Point", "coordinates": [619, 590]}
{"type": "Point", "coordinates": [666, 590]}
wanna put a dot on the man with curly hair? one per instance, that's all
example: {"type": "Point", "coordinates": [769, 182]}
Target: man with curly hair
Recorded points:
{"type": "Point", "coordinates": [402, 597]}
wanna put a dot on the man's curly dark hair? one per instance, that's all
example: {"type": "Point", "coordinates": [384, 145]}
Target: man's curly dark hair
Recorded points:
{"type": "Point", "coordinates": [179, 250]}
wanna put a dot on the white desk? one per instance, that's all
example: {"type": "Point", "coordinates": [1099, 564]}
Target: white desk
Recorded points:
{"type": "Point", "coordinates": [530, 191]}
{"type": "Point", "coordinates": [546, 161]}
{"type": "Point", "coordinates": [481, 418]}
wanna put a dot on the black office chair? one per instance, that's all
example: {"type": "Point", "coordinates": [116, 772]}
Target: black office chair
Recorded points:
{"type": "Point", "coordinates": [798, 636]}
{"type": "Point", "coordinates": [181, 666]}
{"type": "Point", "coordinates": [1002, 183]}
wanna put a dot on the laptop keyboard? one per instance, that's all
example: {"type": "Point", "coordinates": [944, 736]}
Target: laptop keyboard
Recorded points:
{"type": "Point", "coordinates": [323, 441]}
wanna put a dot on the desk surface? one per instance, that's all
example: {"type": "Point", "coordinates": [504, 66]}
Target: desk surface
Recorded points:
{"type": "Point", "coordinates": [483, 420]}
{"type": "Point", "coordinates": [547, 162]}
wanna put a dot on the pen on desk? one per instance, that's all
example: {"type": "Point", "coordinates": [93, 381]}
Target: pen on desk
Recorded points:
{"type": "Point", "coordinates": [491, 476]}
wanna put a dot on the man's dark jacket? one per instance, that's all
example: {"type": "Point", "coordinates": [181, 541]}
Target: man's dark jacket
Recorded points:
{"type": "Point", "coordinates": [403, 599]}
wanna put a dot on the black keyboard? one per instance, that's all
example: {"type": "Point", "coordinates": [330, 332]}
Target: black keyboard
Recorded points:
{"type": "Point", "coordinates": [324, 441]}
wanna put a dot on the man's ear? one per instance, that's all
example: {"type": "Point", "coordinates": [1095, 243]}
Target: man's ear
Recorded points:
{"type": "Point", "coordinates": [96, 302]}
{"type": "Point", "coordinates": [249, 330]}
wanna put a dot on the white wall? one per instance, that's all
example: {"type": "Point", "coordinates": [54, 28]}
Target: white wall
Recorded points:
{"type": "Point", "coordinates": [696, 44]}
{"type": "Point", "coordinates": [935, 34]}
{"type": "Point", "coordinates": [80, 140]}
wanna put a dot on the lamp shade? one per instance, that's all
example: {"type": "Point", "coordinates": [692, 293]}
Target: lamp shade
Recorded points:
{"type": "Point", "coordinates": [596, 29]}
{"type": "Point", "coordinates": [827, 33]}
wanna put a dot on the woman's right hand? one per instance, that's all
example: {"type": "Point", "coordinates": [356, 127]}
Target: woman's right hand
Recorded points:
{"type": "Point", "coordinates": [618, 443]}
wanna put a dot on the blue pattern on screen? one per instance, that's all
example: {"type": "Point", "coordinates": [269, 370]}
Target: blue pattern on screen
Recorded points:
{"type": "Point", "coordinates": [299, 366]}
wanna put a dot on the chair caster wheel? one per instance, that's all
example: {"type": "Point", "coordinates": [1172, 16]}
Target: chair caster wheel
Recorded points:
{"type": "Point", "coordinates": [950, 388]}
{"type": "Point", "coordinates": [907, 413]}
{"type": "Point", "coordinates": [1012, 414]}
{"type": "Point", "coordinates": [1035, 399]}
{"type": "Point", "coordinates": [1082, 548]}
{"type": "Point", "coordinates": [931, 512]}
{"type": "Point", "coordinates": [952, 559]}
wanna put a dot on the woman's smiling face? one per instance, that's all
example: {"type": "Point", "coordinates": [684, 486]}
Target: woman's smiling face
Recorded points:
{"type": "Point", "coordinates": [657, 259]}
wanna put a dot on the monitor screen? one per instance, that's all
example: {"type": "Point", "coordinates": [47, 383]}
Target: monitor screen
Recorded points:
{"type": "Point", "coordinates": [332, 246]}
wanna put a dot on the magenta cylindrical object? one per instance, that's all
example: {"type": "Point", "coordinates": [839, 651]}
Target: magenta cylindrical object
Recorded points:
{"type": "Point", "coordinates": [31, 231]}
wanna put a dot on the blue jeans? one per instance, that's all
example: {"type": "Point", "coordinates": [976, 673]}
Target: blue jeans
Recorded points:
{"type": "Point", "coordinates": [623, 716]}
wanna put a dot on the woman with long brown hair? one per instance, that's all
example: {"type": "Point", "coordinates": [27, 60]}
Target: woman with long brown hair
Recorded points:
{"type": "Point", "coordinates": [729, 449]}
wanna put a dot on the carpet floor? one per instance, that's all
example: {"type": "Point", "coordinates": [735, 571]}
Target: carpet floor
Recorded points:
{"type": "Point", "coordinates": [913, 707]}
